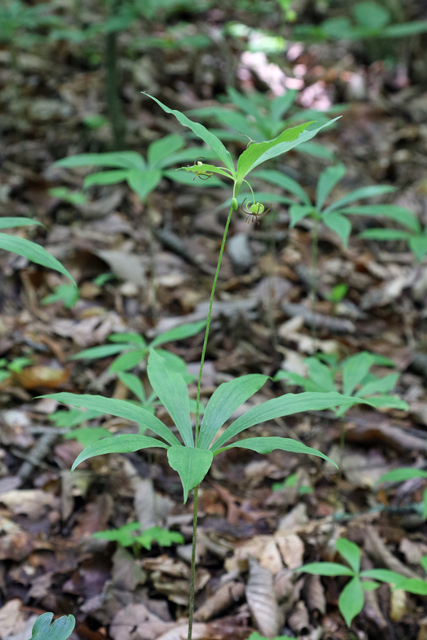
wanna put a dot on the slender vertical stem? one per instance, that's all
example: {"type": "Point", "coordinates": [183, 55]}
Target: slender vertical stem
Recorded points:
{"type": "Point", "coordinates": [199, 384]}
{"type": "Point", "coordinates": [115, 109]}
{"type": "Point", "coordinates": [193, 564]}
{"type": "Point", "coordinates": [314, 276]}
{"type": "Point", "coordinates": [205, 343]}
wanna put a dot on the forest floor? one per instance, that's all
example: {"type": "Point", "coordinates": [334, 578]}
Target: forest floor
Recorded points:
{"type": "Point", "coordinates": [251, 532]}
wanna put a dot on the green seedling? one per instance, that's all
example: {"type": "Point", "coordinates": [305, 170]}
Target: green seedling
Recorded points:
{"type": "Point", "coordinates": [290, 482]}
{"type": "Point", "coordinates": [333, 214]}
{"type": "Point", "coordinates": [337, 294]}
{"type": "Point", "coordinates": [351, 600]}
{"type": "Point", "coordinates": [133, 348]}
{"type": "Point", "coordinates": [414, 234]}
{"type": "Point", "coordinates": [30, 250]}
{"type": "Point", "coordinates": [68, 294]}
{"type": "Point", "coordinates": [16, 366]}
{"type": "Point", "coordinates": [192, 454]}
{"type": "Point", "coordinates": [126, 536]}
{"type": "Point", "coordinates": [370, 21]}
{"type": "Point", "coordinates": [71, 197]}
{"type": "Point", "coordinates": [407, 473]}
{"type": "Point", "coordinates": [18, 23]}
{"type": "Point", "coordinates": [353, 376]}
{"type": "Point", "coordinates": [258, 118]}
{"type": "Point", "coordinates": [60, 629]}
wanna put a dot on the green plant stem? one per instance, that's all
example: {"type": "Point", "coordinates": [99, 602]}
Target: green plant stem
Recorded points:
{"type": "Point", "coordinates": [205, 343]}
{"type": "Point", "coordinates": [193, 564]}
{"type": "Point", "coordinates": [314, 275]}
{"type": "Point", "coordinates": [199, 384]}
{"type": "Point", "coordinates": [115, 109]}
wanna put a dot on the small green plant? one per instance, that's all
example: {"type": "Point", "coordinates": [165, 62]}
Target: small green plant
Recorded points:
{"type": "Point", "coordinates": [370, 20]}
{"type": "Point", "coordinates": [71, 197]}
{"type": "Point", "coordinates": [133, 348]}
{"type": "Point", "coordinates": [26, 248]}
{"type": "Point", "coordinates": [18, 23]}
{"type": "Point", "coordinates": [355, 377]}
{"type": "Point", "coordinates": [16, 366]}
{"type": "Point", "coordinates": [259, 118]}
{"type": "Point", "coordinates": [414, 235]}
{"type": "Point", "coordinates": [68, 294]}
{"type": "Point", "coordinates": [351, 600]}
{"type": "Point", "coordinates": [290, 482]}
{"type": "Point", "coordinates": [192, 456]}
{"type": "Point", "coordinates": [127, 536]}
{"type": "Point", "coordinates": [337, 294]}
{"type": "Point", "coordinates": [407, 473]}
{"type": "Point", "coordinates": [60, 629]}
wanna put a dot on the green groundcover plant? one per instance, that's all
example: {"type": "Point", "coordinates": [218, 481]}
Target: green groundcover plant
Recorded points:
{"type": "Point", "coordinates": [133, 348]}
{"type": "Point", "coordinates": [60, 629]}
{"type": "Point", "coordinates": [356, 378]}
{"type": "Point", "coordinates": [351, 599]}
{"type": "Point", "coordinates": [370, 20]}
{"type": "Point", "coordinates": [259, 118]}
{"type": "Point", "coordinates": [414, 234]}
{"type": "Point", "coordinates": [127, 536]}
{"type": "Point", "coordinates": [191, 452]}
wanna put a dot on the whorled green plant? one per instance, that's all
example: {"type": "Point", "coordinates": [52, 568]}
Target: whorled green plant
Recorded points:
{"type": "Point", "coordinates": [191, 452]}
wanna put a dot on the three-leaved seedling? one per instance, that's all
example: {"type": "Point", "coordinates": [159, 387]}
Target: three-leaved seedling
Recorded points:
{"type": "Point", "coordinates": [350, 602]}
{"type": "Point", "coordinates": [191, 454]}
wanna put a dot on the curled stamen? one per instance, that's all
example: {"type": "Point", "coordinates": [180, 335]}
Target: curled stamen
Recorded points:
{"type": "Point", "coordinates": [255, 212]}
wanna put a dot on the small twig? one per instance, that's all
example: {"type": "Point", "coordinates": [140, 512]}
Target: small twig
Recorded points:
{"type": "Point", "coordinates": [35, 458]}
{"type": "Point", "coordinates": [320, 321]}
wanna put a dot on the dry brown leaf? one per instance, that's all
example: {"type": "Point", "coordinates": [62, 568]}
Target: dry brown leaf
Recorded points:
{"type": "Point", "coordinates": [398, 606]}
{"type": "Point", "coordinates": [34, 503]}
{"type": "Point", "coordinates": [291, 547]}
{"type": "Point", "coordinates": [223, 599]}
{"type": "Point", "coordinates": [261, 598]}
{"type": "Point", "coordinates": [298, 620]}
{"type": "Point", "coordinates": [315, 594]}
{"type": "Point", "coordinates": [136, 622]}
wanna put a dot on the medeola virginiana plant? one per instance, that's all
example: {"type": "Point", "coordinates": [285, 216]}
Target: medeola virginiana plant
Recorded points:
{"type": "Point", "coordinates": [191, 452]}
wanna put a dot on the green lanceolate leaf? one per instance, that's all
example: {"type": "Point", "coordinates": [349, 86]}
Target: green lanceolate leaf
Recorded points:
{"type": "Point", "coordinates": [163, 148]}
{"type": "Point", "coordinates": [61, 629]}
{"type": "Point", "coordinates": [283, 406]}
{"type": "Point", "coordinates": [321, 374]}
{"type": "Point", "coordinates": [211, 140]}
{"type": "Point", "coordinates": [181, 332]}
{"type": "Point", "coordinates": [285, 182]}
{"type": "Point", "coordinates": [418, 245]}
{"type": "Point", "coordinates": [327, 181]}
{"type": "Point", "coordinates": [105, 177]}
{"type": "Point", "coordinates": [381, 385]}
{"type": "Point", "coordinates": [385, 234]}
{"type": "Point", "coordinates": [117, 159]}
{"type": "Point", "coordinates": [355, 369]}
{"type": "Point", "coordinates": [267, 445]}
{"type": "Point", "coordinates": [134, 384]}
{"type": "Point", "coordinates": [393, 212]}
{"type": "Point", "coordinates": [191, 463]}
{"type": "Point", "coordinates": [350, 552]}
{"type": "Point", "coordinates": [350, 602]}
{"type": "Point", "coordinates": [297, 212]}
{"type": "Point", "coordinates": [10, 223]}
{"type": "Point", "coordinates": [128, 360]}
{"type": "Point", "coordinates": [339, 224]}
{"type": "Point", "coordinates": [402, 474]}
{"type": "Point", "coordinates": [173, 394]}
{"type": "Point", "coordinates": [259, 152]}
{"type": "Point", "coordinates": [120, 408]}
{"type": "Point", "coordinates": [359, 194]}
{"type": "Point", "coordinates": [33, 252]}
{"type": "Point", "coordinates": [118, 444]}
{"type": "Point", "coordinates": [143, 182]}
{"type": "Point", "coordinates": [326, 569]}
{"type": "Point", "coordinates": [103, 351]}
{"type": "Point", "coordinates": [224, 401]}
